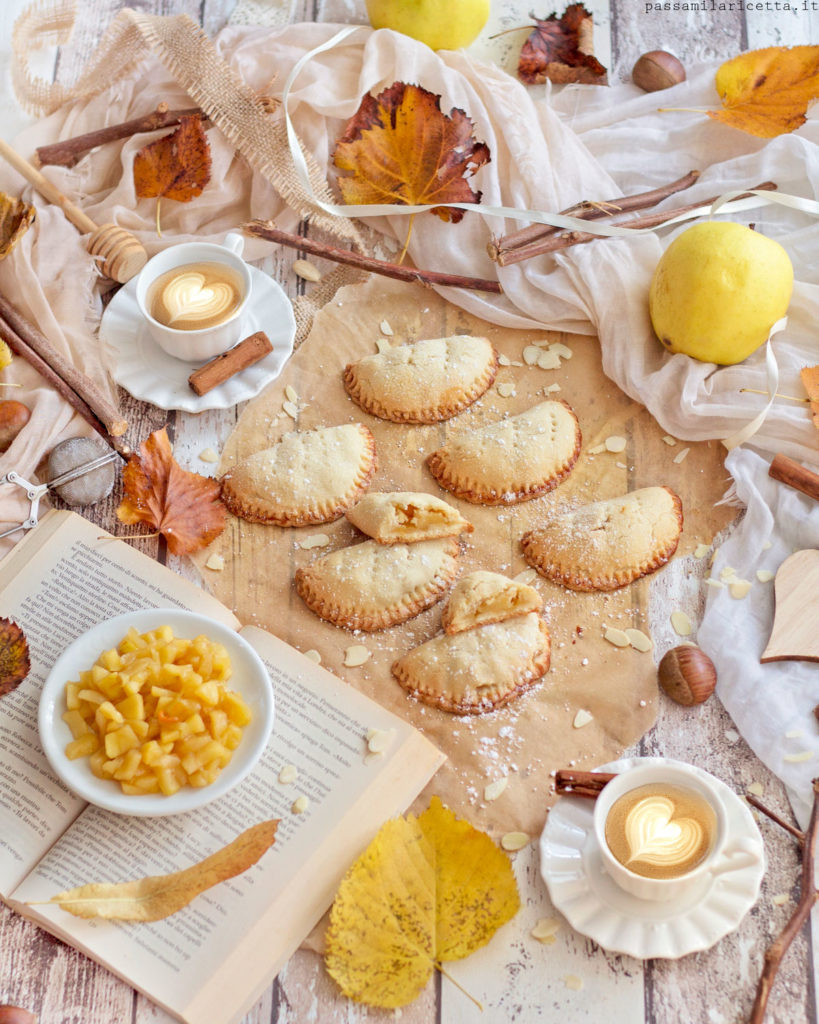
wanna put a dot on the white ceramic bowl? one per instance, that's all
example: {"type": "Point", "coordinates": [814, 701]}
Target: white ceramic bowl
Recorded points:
{"type": "Point", "coordinates": [249, 679]}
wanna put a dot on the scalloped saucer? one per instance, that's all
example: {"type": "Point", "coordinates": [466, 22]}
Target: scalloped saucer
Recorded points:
{"type": "Point", "coordinates": [595, 906]}
{"type": "Point", "coordinates": [150, 374]}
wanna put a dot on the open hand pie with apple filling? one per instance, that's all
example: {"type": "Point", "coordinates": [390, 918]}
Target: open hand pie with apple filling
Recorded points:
{"type": "Point", "coordinates": [371, 586]}
{"type": "Point", "coordinates": [404, 517]}
{"type": "Point", "coordinates": [482, 597]}
{"type": "Point", "coordinates": [607, 544]}
{"type": "Point", "coordinates": [312, 476]}
{"type": "Point", "coordinates": [513, 460]}
{"type": "Point", "coordinates": [425, 381]}
{"type": "Point", "coordinates": [480, 669]}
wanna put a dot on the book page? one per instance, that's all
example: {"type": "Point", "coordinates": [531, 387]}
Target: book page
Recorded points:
{"type": "Point", "coordinates": [64, 577]}
{"type": "Point", "coordinates": [247, 927]}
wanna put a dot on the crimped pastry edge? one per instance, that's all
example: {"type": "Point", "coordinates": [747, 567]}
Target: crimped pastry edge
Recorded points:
{"type": "Point", "coordinates": [540, 663]}
{"type": "Point", "coordinates": [574, 581]}
{"type": "Point", "coordinates": [326, 513]}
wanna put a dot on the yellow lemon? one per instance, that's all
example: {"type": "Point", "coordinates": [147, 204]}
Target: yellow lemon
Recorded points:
{"type": "Point", "coordinates": [717, 291]}
{"type": "Point", "coordinates": [441, 24]}
{"type": "Point", "coordinates": [5, 355]}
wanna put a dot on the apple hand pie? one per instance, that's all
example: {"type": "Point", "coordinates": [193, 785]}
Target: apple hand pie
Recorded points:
{"type": "Point", "coordinates": [607, 544]}
{"type": "Point", "coordinates": [480, 669]}
{"type": "Point", "coordinates": [310, 476]}
{"type": "Point", "coordinates": [405, 517]}
{"type": "Point", "coordinates": [481, 597]}
{"type": "Point", "coordinates": [425, 381]}
{"type": "Point", "coordinates": [371, 586]}
{"type": "Point", "coordinates": [513, 460]}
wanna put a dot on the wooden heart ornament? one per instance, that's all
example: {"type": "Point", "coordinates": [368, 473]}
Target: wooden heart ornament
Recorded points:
{"type": "Point", "coordinates": [795, 633]}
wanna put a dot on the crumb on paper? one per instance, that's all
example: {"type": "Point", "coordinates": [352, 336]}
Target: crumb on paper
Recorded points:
{"type": "Point", "coordinates": [583, 717]}
{"type": "Point", "coordinates": [506, 389]}
{"type": "Point", "coordinates": [315, 540]}
{"type": "Point", "coordinates": [546, 929]}
{"type": "Point", "coordinates": [494, 789]}
{"type": "Point", "coordinates": [355, 655]}
{"type": "Point", "coordinates": [514, 841]}
{"type": "Point", "coordinates": [701, 550]}
{"type": "Point", "coordinates": [379, 740]}
{"type": "Point", "coordinates": [639, 640]}
{"type": "Point", "coordinates": [573, 982]}
{"type": "Point", "coordinates": [209, 455]}
{"type": "Point", "coordinates": [300, 804]}
{"type": "Point", "coordinates": [216, 563]}
{"type": "Point", "coordinates": [764, 575]}
{"type": "Point", "coordinates": [739, 588]}
{"type": "Point", "coordinates": [616, 636]}
{"type": "Point", "coordinates": [615, 443]}
{"type": "Point", "coordinates": [681, 624]}
{"type": "Point", "coordinates": [732, 735]}
{"type": "Point", "coordinates": [291, 409]}
{"type": "Point", "coordinates": [313, 655]}
{"type": "Point", "coordinates": [385, 328]}
{"type": "Point", "coordinates": [756, 788]}
{"type": "Point", "coordinates": [678, 458]}
{"type": "Point", "coordinates": [669, 440]}
{"type": "Point", "coordinates": [288, 773]}
{"type": "Point", "coordinates": [803, 755]}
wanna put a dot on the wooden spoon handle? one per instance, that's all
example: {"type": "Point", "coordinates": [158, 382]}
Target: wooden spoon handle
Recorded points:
{"type": "Point", "coordinates": [792, 473]}
{"type": "Point", "coordinates": [50, 191]}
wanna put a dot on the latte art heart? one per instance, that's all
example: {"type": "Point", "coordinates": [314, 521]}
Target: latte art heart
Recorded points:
{"type": "Point", "coordinates": [655, 837]}
{"type": "Point", "coordinates": [195, 296]}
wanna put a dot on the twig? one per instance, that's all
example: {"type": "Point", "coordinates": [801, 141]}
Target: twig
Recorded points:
{"type": "Point", "coordinates": [565, 239]}
{"type": "Point", "coordinates": [796, 832]}
{"type": "Point", "coordinates": [264, 229]}
{"type": "Point", "coordinates": [589, 210]}
{"type": "Point", "coordinates": [807, 899]}
{"type": "Point", "coordinates": [569, 782]}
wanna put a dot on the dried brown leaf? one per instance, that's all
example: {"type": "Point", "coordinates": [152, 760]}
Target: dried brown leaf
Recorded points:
{"type": "Point", "coordinates": [158, 896]}
{"type": "Point", "coordinates": [15, 664]}
{"type": "Point", "coordinates": [560, 49]}
{"type": "Point", "coordinates": [176, 166]}
{"type": "Point", "coordinates": [15, 219]}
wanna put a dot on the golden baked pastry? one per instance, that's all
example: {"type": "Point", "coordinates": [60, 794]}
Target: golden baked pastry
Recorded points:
{"type": "Point", "coordinates": [371, 586]}
{"type": "Point", "coordinates": [513, 460]}
{"type": "Point", "coordinates": [482, 597]}
{"type": "Point", "coordinates": [480, 669]}
{"type": "Point", "coordinates": [312, 476]}
{"type": "Point", "coordinates": [607, 544]}
{"type": "Point", "coordinates": [404, 517]}
{"type": "Point", "coordinates": [425, 381]}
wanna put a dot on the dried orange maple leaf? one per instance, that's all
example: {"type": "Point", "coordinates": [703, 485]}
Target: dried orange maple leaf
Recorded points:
{"type": "Point", "coordinates": [560, 49]}
{"type": "Point", "coordinates": [810, 378]}
{"type": "Point", "coordinates": [766, 92]}
{"type": "Point", "coordinates": [402, 148]}
{"type": "Point", "coordinates": [14, 660]}
{"type": "Point", "coordinates": [185, 507]}
{"type": "Point", "coordinates": [176, 166]}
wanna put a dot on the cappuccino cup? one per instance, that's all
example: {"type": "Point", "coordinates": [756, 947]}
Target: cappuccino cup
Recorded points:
{"type": "Point", "coordinates": [192, 296]}
{"type": "Point", "coordinates": [662, 828]}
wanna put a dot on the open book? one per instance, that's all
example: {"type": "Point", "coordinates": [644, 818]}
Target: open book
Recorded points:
{"type": "Point", "coordinates": [208, 963]}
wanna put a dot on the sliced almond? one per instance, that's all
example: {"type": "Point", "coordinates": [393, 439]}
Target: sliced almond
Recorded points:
{"type": "Point", "coordinates": [546, 929]}
{"type": "Point", "coordinates": [573, 982]}
{"type": "Point", "coordinates": [711, 582]}
{"type": "Point", "coordinates": [561, 350]}
{"type": "Point", "coordinates": [766, 545]}
{"type": "Point", "coordinates": [764, 575]}
{"type": "Point", "coordinates": [728, 573]}
{"type": "Point", "coordinates": [385, 328]}
{"type": "Point", "coordinates": [780, 899]}
{"type": "Point", "coordinates": [514, 841]}
{"type": "Point", "coordinates": [582, 718]}
{"type": "Point", "coordinates": [379, 740]}
{"type": "Point", "coordinates": [291, 394]}
{"type": "Point", "coordinates": [639, 640]}
{"type": "Point", "coordinates": [598, 449]}
{"type": "Point", "coordinates": [383, 344]}
{"type": "Point", "coordinates": [506, 389]}
{"type": "Point", "coordinates": [681, 624]}
{"type": "Point", "coordinates": [732, 736]}
{"type": "Point", "coordinates": [291, 409]}
{"type": "Point", "coordinates": [553, 389]}
{"type": "Point", "coordinates": [306, 270]}
{"type": "Point", "coordinates": [494, 789]}
{"type": "Point", "coordinates": [756, 788]}
{"type": "Point", "coordinates": [803, 755]}
{"type": "Point", "coordinates": [315, 540]}
{"type": "Point", "coordinates": [526, 576]}
{"type": "Point", "coordinates": [548, 359]}
{"type": "Point", "coordinates": [701, 550]}
{"type": "Point", "coordinates": [300, 804]}
{"type": "Point", "coordinates": [739, 588]}
{"type": "Point", "coordinates": [355, 655]}
{"type": "Point", "coordinates": [669, 440]}
{"type": "Point", "coordinates": [794, 734]}
{"type": "Point", "coordinates": [313, 655]}
{"type": "Point", "coordinates": [615, 443]}
{"type": "Point", "coordinates": [616, 636]}
{"type": "Point", "coordinates": [678, 458]}
{"type": "Point", "coordinates": [216, 563]}
{"type": "Point", "coordinates": [289, 773]}
{"type": "Point", "coordinates": [504, 360]}
{"type": "Point", "coordinates": [530, 354]}
{"type": "Point", "coordinates": [209, 455]}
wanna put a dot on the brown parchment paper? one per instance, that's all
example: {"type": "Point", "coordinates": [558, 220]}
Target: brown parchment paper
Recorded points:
{"type": "Point", "coordinates": [535, 735]}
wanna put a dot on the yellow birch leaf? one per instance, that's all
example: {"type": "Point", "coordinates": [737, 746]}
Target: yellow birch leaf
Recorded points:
{"type": "Point", "coordinates": [766, 92]}
{"type": "Point", "coordinates": [426, 890]}
{"type": "Point", "coordinates": [158, 896]}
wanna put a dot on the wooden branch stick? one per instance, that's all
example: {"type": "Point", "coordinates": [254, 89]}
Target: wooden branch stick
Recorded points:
{"type": "Point", "coordinates": [80, 391]}
{"type": "Point", "coordinates": [565, 239]}
{"type": "Point", "coordinates": [569, 782]}
{"type": "Point", "coordinates": [797, 833]}
{"type": "Point", "coordinates": [807, 899]}
{"type": "Point", "coordinates": [265, 229]}
{"type": "Point", "coordinates": [588, 210]}
{"type": "Point", "coordinates": [794, 474]}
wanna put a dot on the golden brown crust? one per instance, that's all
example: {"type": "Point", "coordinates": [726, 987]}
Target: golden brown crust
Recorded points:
{"type": "Point", "coordinates": [423, 382]}
{"type": "Point", "coordinates": [513, 460]}
{"type": "Point", "coordinates": [309, 477]}
{"type": "Point", "coordinates": [479, 670]}
{"type": "Point", "coordinates": [372, 586]}
{"type": "Point", "coordinates": [608, 544]}
{"type": "Point", "coordinates": [482, 597]}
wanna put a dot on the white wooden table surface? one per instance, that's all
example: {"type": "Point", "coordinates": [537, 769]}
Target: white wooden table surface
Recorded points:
{"type": "Point", "coordinates": [517, 978]}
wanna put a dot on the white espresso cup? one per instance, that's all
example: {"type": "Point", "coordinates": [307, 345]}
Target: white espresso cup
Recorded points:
{"type": "Point", "coordinates": [194, 345]}
{"type": "Point", "coordinates": [657, 843]}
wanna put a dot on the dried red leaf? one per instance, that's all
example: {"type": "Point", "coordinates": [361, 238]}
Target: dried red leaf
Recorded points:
{"type": "Point", "coordinates": [402, 148]}
{"type": "Point", "coordinates": [185, 507]}
{"type": "Point", "coordinates": [15, 663]}
{"type": "Point", "coordinates": [176, 166]}
{"type": "Point", "coordinates": [560, 49]}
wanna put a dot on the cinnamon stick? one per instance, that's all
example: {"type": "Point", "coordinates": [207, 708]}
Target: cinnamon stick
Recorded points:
{"type": "Point", "coordinates": [80, 391]}
{"type": "Point", "coordinates": [589, 210]}
{"type": "Point", "coordinates": [794, 474]}
{"type": "Point", "coordinates": [264, 229]}
{"type": "Point", "coordinates": [224, 366]}
{"type": "Point", "coordinates": [565, 239]}
{"type": "Point", "coordinates": [569, 782]}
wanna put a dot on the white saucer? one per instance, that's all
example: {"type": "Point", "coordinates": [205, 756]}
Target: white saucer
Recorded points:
{"type": "Point", "coordinates": [149, 373]}
{"type": "Point", "coordinates": [595, 906]}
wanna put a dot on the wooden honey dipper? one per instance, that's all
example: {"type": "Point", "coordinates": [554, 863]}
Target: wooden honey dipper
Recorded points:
{"type": "Point", "coordinates": [121, 256]}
